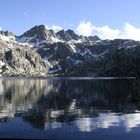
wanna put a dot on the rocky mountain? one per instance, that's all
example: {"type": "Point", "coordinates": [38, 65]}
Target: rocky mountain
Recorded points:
{"type": "Point", "coordinates": [18, 59]}
{"type": "Point", "coordinates": [41, 52]}
{"type": "Point", "coordinates": [41, 34]}
{"type": "Point", "coordinates": [55, 47]}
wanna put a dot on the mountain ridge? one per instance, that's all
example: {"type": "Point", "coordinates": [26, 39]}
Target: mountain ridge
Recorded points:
{"type": "Point", "coordinates": [67, 53]}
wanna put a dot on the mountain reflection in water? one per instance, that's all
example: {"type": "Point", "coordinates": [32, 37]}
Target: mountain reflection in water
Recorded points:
{"type": "Point", "coordinates": [75, 105]}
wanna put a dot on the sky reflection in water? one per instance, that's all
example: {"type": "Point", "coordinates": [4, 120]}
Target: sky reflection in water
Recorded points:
{"type": "Point", "coordinates": [69, 109]}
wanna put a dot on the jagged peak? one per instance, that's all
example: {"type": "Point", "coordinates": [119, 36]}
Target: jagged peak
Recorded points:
{"type": "Point", "coordinates": [7, 36]}
{"type": "Point", "coordinates": [95, 37]}
{"type": "Point", "coordinates": [67, 35]}
{"type": "Point", "coordinates": [6, 33]}
{"type": "Point", "coordinates": [69, 31]}
{"type": "Point", "coordinates": [34, 30]}
{"type": "Point", "coordinates": [42, 33]}
{"type": "Point", "coordinates": [36, 34]}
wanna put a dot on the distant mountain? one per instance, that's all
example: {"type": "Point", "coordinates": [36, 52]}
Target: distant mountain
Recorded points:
{"type": "Point", "coordinates": [45, 52]}
{"type": "Point", "coordinates": [39, 34]}
{"type": "Point", "coordinates": [56, 47]}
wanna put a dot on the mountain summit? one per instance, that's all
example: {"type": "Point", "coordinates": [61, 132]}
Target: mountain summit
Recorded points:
{"type": "Point", "coordinates": [40, 33]}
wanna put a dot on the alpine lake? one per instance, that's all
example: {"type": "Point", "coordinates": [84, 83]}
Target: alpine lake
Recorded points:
{"type": "Point", "coordinates": [70, 108]}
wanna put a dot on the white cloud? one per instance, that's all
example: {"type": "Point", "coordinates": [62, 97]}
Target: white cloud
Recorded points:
{"type": "Point", "coordinates": [0, 28]}
{"type": "Point", "coordinates": [54, 27]}
{"type": "Point", "coordinates": [131, 32]}
{"type": "Point", "coordinates": [128, 31]}
{"type": "Point", "coordinates": [106, 32]}
{"type": "Point", "coordinates": [85, 28]}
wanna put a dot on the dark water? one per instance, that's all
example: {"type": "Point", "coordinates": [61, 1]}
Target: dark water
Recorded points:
{"type": "Point", "coordinates": [84, 109]}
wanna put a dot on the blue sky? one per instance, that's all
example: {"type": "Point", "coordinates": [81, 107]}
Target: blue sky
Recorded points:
{"type": "Point", "coordinates": [19, 15]}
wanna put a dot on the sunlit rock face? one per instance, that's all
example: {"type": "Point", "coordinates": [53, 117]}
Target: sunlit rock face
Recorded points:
{"type": "Point", "coordinates": [19, 59]}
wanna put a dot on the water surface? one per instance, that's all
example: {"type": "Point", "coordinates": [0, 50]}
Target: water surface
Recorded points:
{"type": "Point", "coordinates": [70, 108]}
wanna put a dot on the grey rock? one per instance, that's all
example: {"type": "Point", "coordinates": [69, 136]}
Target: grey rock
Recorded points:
{"type": "Point", "coordinates": [21, 60]}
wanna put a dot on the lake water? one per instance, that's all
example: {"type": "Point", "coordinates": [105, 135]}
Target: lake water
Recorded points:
{"type": "Point", "coordinates": [70, 109]}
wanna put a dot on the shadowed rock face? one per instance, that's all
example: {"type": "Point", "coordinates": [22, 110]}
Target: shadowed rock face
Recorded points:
{"type": "Point", "coordinates": [38, 34]}
{"type": "Point", "coordinates": [67, 35]}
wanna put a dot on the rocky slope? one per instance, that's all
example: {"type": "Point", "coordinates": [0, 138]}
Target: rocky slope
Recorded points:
{"type": "Point", "coordinates": [121, 58]}
{"type": "Point", "coordinates": [17, 59]}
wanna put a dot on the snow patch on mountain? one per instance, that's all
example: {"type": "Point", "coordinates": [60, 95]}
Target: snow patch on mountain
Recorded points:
{"type": "Point", "coordinates": [7, 38]}
{"type": "Point", "coordinates": [55, 39]}
{"type": "Point", "coordinates": [55, 69]}
{"type": "Point", "coordinates": [73, 47]}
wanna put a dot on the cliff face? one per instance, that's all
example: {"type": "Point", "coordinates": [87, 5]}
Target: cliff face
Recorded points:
{"type": "Point", "coordinates": [17, 59]}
